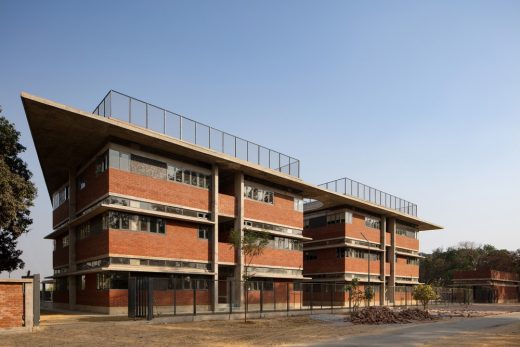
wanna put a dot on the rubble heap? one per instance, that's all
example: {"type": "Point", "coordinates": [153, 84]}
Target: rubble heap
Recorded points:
{"type": "Point", "coordinates": [384, 315]}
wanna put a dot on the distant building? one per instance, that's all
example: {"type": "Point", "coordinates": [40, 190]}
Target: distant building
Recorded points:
{"type": "Point", "coordinates": [141, 191]}
{"type": "Point", "coordinates": [489, 286]}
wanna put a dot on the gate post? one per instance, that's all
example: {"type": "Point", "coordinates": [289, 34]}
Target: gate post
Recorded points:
{"type": "Point", "coordinates": [149, 289]}
{"type": "Point", "coordinates": [131, 297]}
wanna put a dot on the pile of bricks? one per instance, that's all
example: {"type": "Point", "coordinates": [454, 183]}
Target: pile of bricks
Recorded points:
{"type": "Point", "coordinates": [383, 315]}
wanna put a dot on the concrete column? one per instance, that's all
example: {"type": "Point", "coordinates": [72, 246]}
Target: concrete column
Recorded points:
{"type": "Point", "coordinates": [382, 262]}
{"type": "Point", "coordinates": [239, 225]}
{"type": "Point", "coordinates": [391, 280]}
{"type": "Point", "coordinates": [72, 237]}
{"type": "Point", "coordinates": [214, 218]}
{"type": "Point", "coordinates": [29, 308]}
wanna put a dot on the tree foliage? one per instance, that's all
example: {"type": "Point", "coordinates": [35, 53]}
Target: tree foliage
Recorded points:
{"type": "Point", "coordinates": [424, 293]}
{"type": "Point", "coordinates": [438, 268]}
{"type": "Point", "coordinates": [252, 244]}
{"type": "Point", "coordinates": [17, 194]}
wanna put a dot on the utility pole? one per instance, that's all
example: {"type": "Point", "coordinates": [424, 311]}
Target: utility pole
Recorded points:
{"type": "Point", "coordinates": [369, 287]}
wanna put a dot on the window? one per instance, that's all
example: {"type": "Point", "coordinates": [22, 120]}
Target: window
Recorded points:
{"type": "Point", "coordinates": [126, 221]}
{"type": "Point", "coordinates": [405, 230]}
{"type": "Point", "coordinates": [310, 255]}
{"type": "Point", "coordinates": [336, 218]}
{"type": "Point", "coordinates": [298, 204]}
{"type": "Point", "coordinates": [119, 160]}
{"type": "Point", "coordinates": [60, 196]}
{"type": "Point", "coordinates": [81, 282]}
{"type": "Point", "coordinates": [81, 183]}
{"type": "Point", "coordinates": [372, 222]}
{"type": "Point", "coordinates": [102, 163]}
{"type": "Point", "coordinates": [306, 223]}
{"type": "Point", "coordinates": [412, 261]}
{"type": "Point", "coordinates": [204, 232]}
{"type": "Point", "coordinates": [53, 245]}
{"type": "Point", "coordinates": [65, 241]}
{"type": "Point", "coordinates": [356, 253]}
{"type": "Point", "coordinates": [278, 242]}
{"type": "Point", "coordinates": [259, 194]}
{"type": "Point", "coordinates": [111, 280]}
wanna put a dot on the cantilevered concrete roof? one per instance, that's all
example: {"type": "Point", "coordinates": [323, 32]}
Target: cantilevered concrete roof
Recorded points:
{"type": "Point", "coordinates": [66, 138]}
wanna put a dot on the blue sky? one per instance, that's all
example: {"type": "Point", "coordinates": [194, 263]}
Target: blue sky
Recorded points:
{"type": "Point", "coordinates": [420, 99]}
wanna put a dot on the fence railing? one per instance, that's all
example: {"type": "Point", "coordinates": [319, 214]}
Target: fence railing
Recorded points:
{"type": "Point", "coordinates": [155, 297]}
{"type": "Point", "coordinates": [346, 186]}
{"type": "Point", "coordinates": [126, 108]}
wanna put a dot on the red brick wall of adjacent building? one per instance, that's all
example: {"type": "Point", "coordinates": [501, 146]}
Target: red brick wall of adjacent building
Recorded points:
{"type": "Point", "coordinates": [361, 265]}
{"type": "Point", "coordinates": [281, 212]}
{"type": "Point", "coordinates": [226, 252]}
{"type": "Point", "coordinates": [357, 227]}
{"type": "Point", "coordinates": [96, 185]}
{"type": "Point", "coordinates": [405, 270]}
{"type": "Point", "coordinates": [325, 232]}
{"type": "Point", "coordinates": [353, 230]}
{"type": "Point", "coordinates": [226, 204]}
{"type": "Point", "coordinates": [12, 305]}
{"type": "Point", "coordinates": [91, 296]}
{"type": "Point", "coordinates": [326, 262]}
{"type": "Point", "coordinates": [60, 214]}
{"type": "Point", "coordinates": [60, 257]}
{"type": "Point", "coordinates": [180, 241]}
{"type": "Point", "coordinates": [279, 257]}
{"type": "Point", "coordinates": [406, 242]}
{"type": "Point", "coordinates": [92, 246]}
{"type": "Point", "coordinates": [169, 192]}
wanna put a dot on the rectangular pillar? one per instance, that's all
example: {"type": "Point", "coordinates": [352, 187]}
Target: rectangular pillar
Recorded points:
{"type": "Point", "coordinates": [214, 218]}
{"type": "Point", "coordinates": [239, 226]}
{"type": "Point", "coordinates": [382, 262]}
{"type": "Point", "coordinates": [391, 280]}
{"type": "Point", "coordinates": [72, 238]}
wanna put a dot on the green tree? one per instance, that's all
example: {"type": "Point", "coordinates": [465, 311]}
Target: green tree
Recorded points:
{"type": "Point", "coordinates": [424, 293]}
{"type": "Point", "coordinates": [251, 244]}
{"type": "Point", "coordinates": [17, 194]}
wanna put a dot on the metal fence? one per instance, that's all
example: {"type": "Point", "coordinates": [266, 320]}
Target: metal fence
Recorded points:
{"type": "Point", "coordinates": [126, 108]}
{"type": "Point", "coordinates": [361, 191]}
{"type": "Point", "coordinates": [157, 297]}
{"type": "Point", "coordinates": [403, 296]}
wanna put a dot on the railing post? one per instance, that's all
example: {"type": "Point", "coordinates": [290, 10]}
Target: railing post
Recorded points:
{"type": "Point", "coordinates": [274, 296]}
{"type": "Point", "coordinates": [164, 121]}
{"type": "Point", "coordinates": [180, 127]}
{"type": "Point", "coordinates": [130, 110]}
{"type": "Point", "coordinates": [174, 296]}
{"type": "Point", "coordinates": [312, 295]}
{"type": "Point", "coordinates": [332, 298]}
{"type": "Point", "coordinates": [288, 296]}
{"type": "Point", "coordinates": [230, 297]}
{"type": "Point", "coordinates": [195, 298]}
{"type": "Point", "coordinates": [149, 315]}
{"type": "Point", "coordinates": [146, 108]}
{"type": "Point", "coordinates": [261, 298]}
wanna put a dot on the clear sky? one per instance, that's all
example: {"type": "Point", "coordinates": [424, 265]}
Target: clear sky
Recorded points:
{"type": "Point", "coordinates": [420, 99]}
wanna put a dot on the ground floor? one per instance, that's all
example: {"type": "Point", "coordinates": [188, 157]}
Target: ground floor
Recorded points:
{"type": "Point", "coordinates": [501, 329]}
{"type": "Point", "coordinates": [136, 293]}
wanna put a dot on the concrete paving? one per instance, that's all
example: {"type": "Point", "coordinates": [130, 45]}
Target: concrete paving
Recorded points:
{"type": "Point", "coordinates": [421, 333]}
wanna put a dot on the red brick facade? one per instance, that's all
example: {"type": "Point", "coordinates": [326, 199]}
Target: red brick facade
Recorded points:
{"type": "Point", "coordinates": [12, 305]}
{"type": "Point", "coordinates": [281, 212]}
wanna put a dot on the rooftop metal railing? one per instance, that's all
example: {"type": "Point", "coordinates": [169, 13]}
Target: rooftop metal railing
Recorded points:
{"type": "Point", "coordinates": [140, 113]}
{"type": "Point", "coordinates": [361, 191]}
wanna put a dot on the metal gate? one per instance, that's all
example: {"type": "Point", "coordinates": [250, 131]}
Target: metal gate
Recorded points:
{"type": "Point", "coordinates": [140, 297]}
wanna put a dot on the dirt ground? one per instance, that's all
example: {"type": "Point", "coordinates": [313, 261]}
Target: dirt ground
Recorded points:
{"type": "Point", "coordinates": [95, 330]}
{"type": "Point", "coordinates": [500, 336]}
